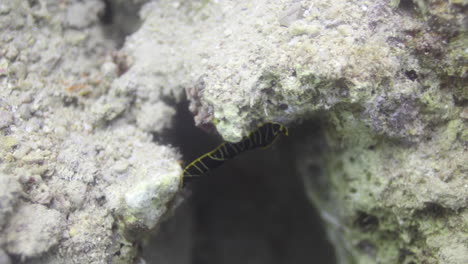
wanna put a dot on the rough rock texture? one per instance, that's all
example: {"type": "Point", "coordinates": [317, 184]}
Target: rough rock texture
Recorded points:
{"type": "Point", "coordinates": [79, 179]}
{"type": "Point", "coordinates": [33, 230]}
{"type": "Point", "coordinates": [386, 78]}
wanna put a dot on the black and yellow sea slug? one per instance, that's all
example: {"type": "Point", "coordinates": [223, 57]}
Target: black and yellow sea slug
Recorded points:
{"type": "Point", "coordinates": [264, 136]}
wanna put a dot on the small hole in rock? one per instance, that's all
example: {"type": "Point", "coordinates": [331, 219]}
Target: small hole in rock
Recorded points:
{"type": "Point", "coordinates": [283, 106]}
{"type": "Point", "coordinates": [120, 19]}
{"type": "Point", "coordinates": [108, 16]}
{"type": "Point", "coordinates": [411, 74]}
{"type": "Point", "coordinates": [366, 222]}
{"type": "Point", "coordinates": [406, 5]}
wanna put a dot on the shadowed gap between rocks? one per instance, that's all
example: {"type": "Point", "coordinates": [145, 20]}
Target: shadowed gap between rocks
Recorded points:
{"type": "Point", "coordinates": [253, 209]}
{"type": "Point", "coordinates": [120, 19]}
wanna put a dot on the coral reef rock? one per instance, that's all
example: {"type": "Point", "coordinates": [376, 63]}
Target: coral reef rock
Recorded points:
{"type": "Point", "coordinates": [79, 180]}
{"type": "Point", "coordinates": [82, 178]}
{"type": "Point", "coordinates": [387, 81]}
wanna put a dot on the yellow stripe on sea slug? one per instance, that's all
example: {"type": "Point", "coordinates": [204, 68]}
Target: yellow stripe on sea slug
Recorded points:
{"type": "Point", "coordinates": [256, 139]}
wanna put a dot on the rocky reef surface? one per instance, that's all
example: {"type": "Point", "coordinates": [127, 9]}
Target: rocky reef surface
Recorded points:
{"type": "Point", "coordinates": [386, 81]}
{"type": "Point", "coordinates": [79, 167]}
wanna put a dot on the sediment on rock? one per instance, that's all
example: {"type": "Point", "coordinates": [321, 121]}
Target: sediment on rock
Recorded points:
{"type": "Point", "coordinates": [385, 79]}
{"type": "Point", "coordinates": [81, 109]}
{"type": "Point", "coordinates": [77, 172]}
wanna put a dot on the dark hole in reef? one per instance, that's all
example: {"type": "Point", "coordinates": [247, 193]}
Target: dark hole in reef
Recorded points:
{"type": "Point", "coordinates": [283, 106]}
{"type": "Point", "coordinates": [101, 200]}
{"type": "Point", "coordinates": [253, 209]}
{"type": "Point", "coordinates": [433, 210]}
{"type": "Point", "coordinates": [366, 222]}
{"type": "Point", "coordinates": [70, 101]}
{"type": "Point", "coordinates": [108, 16]}
{"type": "Point", "coordinates": [411, 74]}
{"type": "Point", "coordinates": [32, 3]}
{"type": "Point", "coordinates": [120, 19]}
{"type": "Point", "coordinates": [406, 5]}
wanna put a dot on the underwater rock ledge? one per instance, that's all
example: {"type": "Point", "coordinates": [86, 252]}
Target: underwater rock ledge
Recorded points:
{"type": "Point", "coordinates": [387, 79]}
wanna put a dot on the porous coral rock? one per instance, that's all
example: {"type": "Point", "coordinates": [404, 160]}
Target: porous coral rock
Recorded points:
{"type": "Point", "coordinates": [67, 129]}
{"type": "Point", "coordinates": [10, 189]}
{"type": "Point", "coordinates": [388, 80]}
{"type": "Point", "coordinates": [33, 230]}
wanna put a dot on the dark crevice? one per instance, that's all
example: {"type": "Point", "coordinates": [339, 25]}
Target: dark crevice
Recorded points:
{"type": "Point", "coordinates": [32, 3]}
{"type": "Point", "coordinates": [108, 16]}
{"type": "Point", "coordinates": [253, 209]}
{"type": "Point", "coordinates": [407, 5]}
{"type": "Point", "coordinates": [366, 222]}
{"type": "Point", "coordinates": [433, 210]}
{"type": "Point", "coordinates": [411, 74]}
{"type": "Point", "coordinates": [120, 19]}
{"type": "Point", "coordinates": [191, 141]}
